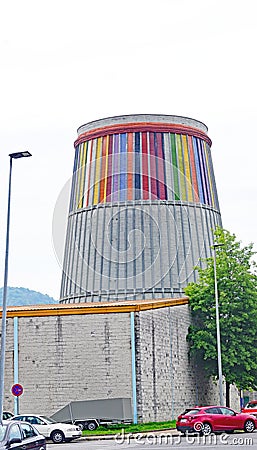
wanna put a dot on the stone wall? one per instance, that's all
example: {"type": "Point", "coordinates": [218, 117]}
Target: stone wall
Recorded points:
{"type": "Point", "coordinates": [65, 358]}
{"type": "Point", "coordinates": [83, 357]}
{"type": "Point", "coordinates": [167, 380]}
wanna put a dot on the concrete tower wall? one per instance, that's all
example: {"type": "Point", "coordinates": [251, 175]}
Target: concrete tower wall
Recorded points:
{"type": "Point", "coordinates": [135, 251]}
{"type": "Point", "coordinates": [142, 209]}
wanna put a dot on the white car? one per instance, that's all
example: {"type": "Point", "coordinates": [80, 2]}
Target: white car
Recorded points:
{"type": "Point", "coordinates": [57, 432]}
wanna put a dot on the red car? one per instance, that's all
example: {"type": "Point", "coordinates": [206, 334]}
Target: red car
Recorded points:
{"type": "Point", "coordinates": [250, 408]}
{"type": "Point", "coordinates": [208, 419]}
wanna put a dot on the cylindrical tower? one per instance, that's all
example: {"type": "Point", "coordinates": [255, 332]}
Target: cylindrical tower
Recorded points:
{"type": "Point", "coordinates": [143, 207]}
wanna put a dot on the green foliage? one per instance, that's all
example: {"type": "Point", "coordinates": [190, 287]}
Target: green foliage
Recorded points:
{"type": "Point", "coordinates": [237, 293]}
{"type": "Point", "coordinates": [131, 428]}
{"type": "Point", "coordinates": [22, 296]}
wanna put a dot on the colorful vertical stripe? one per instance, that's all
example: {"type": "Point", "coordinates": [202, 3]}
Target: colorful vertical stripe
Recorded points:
{"type": "Point", "coordinates": [131, 166]}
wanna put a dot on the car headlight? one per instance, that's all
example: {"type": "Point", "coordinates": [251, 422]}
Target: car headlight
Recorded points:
{"type": "Point", "coordinates": [72, 429]}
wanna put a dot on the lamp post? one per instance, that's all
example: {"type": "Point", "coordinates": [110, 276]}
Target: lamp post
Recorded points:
{"type": "Point", "coordinates": [218, 323]}
{"type": "Point", "coordinates": [4, 308]}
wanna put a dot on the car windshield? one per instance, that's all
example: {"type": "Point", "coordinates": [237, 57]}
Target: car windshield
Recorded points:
{"type": "Point", "coordinates": [2, 431]}
{"type": "Point", "coordinates": [251, 405]}
{"type": "Point", "coordinates": [188, 412]}
{"type": "Point", "coordinates": [48, 420]}
{"type": "Point", "coordinates": [7, 415]}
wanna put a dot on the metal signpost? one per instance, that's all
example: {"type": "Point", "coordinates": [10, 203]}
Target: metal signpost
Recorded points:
{"type": "Point", "coordinates": [17, 390]}
{"type": "Point", "coordinates": [12, 156]}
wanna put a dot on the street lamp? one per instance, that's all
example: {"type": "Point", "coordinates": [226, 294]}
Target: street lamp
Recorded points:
{"type": "Point", "coordinates": [218, 323]}
{"type": "Point", "coordinates": [4, 308]}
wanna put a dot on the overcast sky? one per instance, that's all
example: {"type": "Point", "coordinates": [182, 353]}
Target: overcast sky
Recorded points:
{"type": "Point", "coordinates": [66, 63]}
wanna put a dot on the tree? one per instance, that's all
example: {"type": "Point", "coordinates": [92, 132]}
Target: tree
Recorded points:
{"type": "Point", "coordinates": [237, 287]}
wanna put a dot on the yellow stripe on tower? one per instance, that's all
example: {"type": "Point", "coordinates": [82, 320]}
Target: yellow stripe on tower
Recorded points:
{"type": "Point", "coordinates": [78, 173]}
{"type": "Point", "coordinates": [181, 167]}
{"type": "Point", "coordinates": [187, 169]}
{"type": "Point", "coordinates": [82, 176]}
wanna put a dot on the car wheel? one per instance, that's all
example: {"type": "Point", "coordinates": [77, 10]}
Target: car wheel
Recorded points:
{"type": "Point", "coordinates": [206, 429]}
{"type": "Point", "coordinates": [249, 426]}
{"type": "Point", "coordinates": [91, 426]}
{"type": "Point", "coordinates": [81, 425]}
{"type": "Point", "coordinates": [57, 436]}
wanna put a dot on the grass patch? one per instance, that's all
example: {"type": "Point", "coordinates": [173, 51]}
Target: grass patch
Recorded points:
{"type": "Point", "coordinates": [131, 428]}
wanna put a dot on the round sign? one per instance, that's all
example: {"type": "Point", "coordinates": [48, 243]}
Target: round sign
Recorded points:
{"type": "Point", "coordinates": [17, 390]}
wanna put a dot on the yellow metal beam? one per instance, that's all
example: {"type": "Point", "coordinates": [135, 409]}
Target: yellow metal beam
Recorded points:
{"type": "Point", "coordinates": [92, 308]}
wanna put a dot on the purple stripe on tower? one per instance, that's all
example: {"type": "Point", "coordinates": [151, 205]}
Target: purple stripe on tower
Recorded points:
{"type": "Point", "coordinates": [115, 193]}
{"type": "Point", "coordinates": [153, 168]}
{"type": "Point", "coordinates": [123, 167]}
{"type": "Point", "coordinates": [137, 167]}
{"type": "Point", "coordinates": [160, 164]}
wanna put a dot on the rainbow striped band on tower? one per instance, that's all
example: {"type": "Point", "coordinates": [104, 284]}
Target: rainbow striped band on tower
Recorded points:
{"type": "Point", "coordinates": [143, 205]}
{"type": "Point", "coordinates": [142, 161]}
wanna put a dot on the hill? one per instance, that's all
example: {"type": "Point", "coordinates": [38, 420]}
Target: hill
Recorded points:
{"type": "Point", "coordinates": [22, 296]}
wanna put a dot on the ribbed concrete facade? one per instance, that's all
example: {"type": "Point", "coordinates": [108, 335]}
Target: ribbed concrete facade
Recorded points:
{"type": "Point", "coordinates": [142, 209]}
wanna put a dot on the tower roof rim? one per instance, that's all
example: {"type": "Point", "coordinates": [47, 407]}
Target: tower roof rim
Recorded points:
{"type": "Point", "coordinates": [137, 118]}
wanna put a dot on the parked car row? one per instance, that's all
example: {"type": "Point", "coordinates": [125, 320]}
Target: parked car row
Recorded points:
{"type": "Point", "coordinates": [31, 431]}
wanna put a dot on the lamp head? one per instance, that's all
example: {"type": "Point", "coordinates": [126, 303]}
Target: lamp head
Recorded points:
{"type": "Point", "coordinates": [217, 245]}
{"type": "Point", "coordinates": [20, 155]}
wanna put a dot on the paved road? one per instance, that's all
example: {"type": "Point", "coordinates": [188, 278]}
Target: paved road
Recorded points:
{"type": "Point", "coordinates": [242, 441]}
